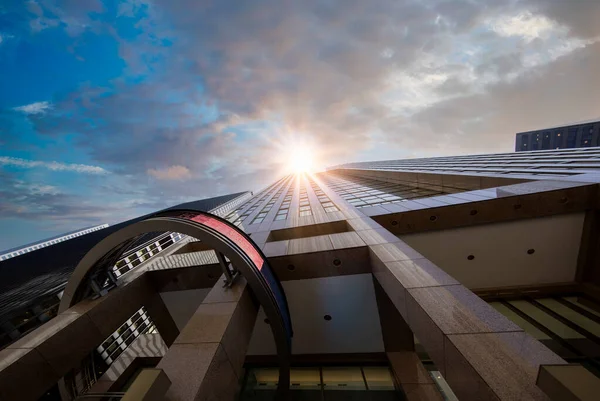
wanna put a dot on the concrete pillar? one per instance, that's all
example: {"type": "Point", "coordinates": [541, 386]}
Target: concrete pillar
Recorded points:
{"type": "Point", "coordinates": [398, 340]}
{"type": "Point", "coordinates": [205, 361]}
{"type": "Point", "coordinates": [482, 354]}
{"type": "Point", "coordinates": [160, 315]}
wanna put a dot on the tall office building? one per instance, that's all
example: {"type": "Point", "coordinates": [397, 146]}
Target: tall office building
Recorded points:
{"type": "Point", "coordinates": [585, 134]}
{"type": "Point", "coordinates": [470, 278]}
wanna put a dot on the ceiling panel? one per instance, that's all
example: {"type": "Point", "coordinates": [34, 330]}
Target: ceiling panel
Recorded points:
{"type": "Point", "coordinates": [349, 300]}
{"type": "Point", "coordinates": [500, 253]}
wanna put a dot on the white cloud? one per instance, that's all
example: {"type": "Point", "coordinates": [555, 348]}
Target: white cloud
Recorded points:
{"type": "Point", "coordinates": [526, 25]}
{"type": "Point", "coordinates": [34, 108]}
{"type": "Point", "coordinates": [171, 173]}
{"type": "Point", "coordinates": [37, 189]}
{"type": "Point", "coordinates": [54, 166]}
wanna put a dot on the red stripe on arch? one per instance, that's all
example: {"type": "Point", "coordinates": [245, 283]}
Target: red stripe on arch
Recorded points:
{"type": "Point", "coordinates": [230, 233]}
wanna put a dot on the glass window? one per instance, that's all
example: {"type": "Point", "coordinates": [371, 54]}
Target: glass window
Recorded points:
{"type": "Point", "coordinates": [572, 138]}
{"type": "Point", "coordinates": [378, 378]}
{"type": "Point", "coordinates": [305, 213]}
{"type": "Point", "coordinates": [305, 379]}
{"type": "Point", "coordinates": [266, 378]}
{"type": "Point", "coordinates": [343, 378]}
{"type": "Point", "coordinates": [280, 217]}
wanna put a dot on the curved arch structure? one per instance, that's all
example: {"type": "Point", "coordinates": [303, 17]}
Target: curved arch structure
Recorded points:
{"type": "Point", "coordinates": [223, 237]}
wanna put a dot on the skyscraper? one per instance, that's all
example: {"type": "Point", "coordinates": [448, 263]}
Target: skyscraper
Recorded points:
{"type": "Point", "coordinates": [584, 134]}
{"type": "Point", "coordinates": [471, 278]}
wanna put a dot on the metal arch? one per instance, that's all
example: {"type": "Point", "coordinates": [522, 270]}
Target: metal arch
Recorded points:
{"type": "Point", "coordinates": [260, 279]}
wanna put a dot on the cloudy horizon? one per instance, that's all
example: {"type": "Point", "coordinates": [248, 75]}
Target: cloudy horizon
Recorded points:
{"type": "Point", "coordinates": [113, 109]}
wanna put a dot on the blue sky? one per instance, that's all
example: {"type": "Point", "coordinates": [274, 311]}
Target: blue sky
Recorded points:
{"type": "Point", "coordinates": [111, 109]}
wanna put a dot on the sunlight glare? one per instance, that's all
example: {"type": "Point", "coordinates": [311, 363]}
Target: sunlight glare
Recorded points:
{"type": "Point", "coordinates": [301, 160]}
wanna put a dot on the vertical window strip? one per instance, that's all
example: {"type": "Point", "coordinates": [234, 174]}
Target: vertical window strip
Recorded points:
{"type": "Point", "coordinates": [235, 218]}
{"type": "Point", "coordinates": [284, 208]}
{"type": "Point", "coordinates": [260, 217]}
{"type": "Point", "coordinates": [325, 201]}
{"type": "Point", "coordinates": [304, 209]}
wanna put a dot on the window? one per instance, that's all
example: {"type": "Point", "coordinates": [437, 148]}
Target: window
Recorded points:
{"type": "Point", "coordinates": [524, 141]}
{"type": "Point", "coordinates": [586, 137]}
{"type": "Point", "coordinates": [337, 381]}
{"type": "Point", "coordinates": [344, 378]}
{"type": "Point", "coordinates": [572, 138]}
{"type": "Point", "coordinates": [536, 142]}
{"type": "Point", "coordinates": [558, 140]}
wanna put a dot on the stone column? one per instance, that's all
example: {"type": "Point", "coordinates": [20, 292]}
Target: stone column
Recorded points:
{"type": "Point", "coordinates": [482, 354]}
{"type": "Point", "coordinates": [398, 340]}
{"type": "Point", "coordinates": [205, 362]}
{"type": "Point", "coordinates": [160, 315]}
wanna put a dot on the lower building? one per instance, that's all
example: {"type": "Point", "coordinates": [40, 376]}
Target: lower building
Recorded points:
{"type": "Point", "coordinates": [33, 277]}
{"type": "Point", "coordinates": [34, 246]}
{"type": "Point", "coordinates": [469, 278]}
{"type": "Point", "coordinates": [579, 135]}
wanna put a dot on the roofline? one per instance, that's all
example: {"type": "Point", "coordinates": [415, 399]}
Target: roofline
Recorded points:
{"type": "Point", "coordinates": [20, 247]}
{"type": "Point", "coordinates": [594, 121]}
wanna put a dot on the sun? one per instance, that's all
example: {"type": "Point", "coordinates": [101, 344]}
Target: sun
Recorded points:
{"type": "Point", "coordinates": [301, 159]}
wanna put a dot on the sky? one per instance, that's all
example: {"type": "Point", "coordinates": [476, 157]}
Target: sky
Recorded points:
{"type": "Point", "coordinates": [113, 109]}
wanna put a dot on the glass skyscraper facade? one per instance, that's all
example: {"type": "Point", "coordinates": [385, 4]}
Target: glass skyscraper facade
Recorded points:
{"type": "Point", "coordinates": [578, 135]}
